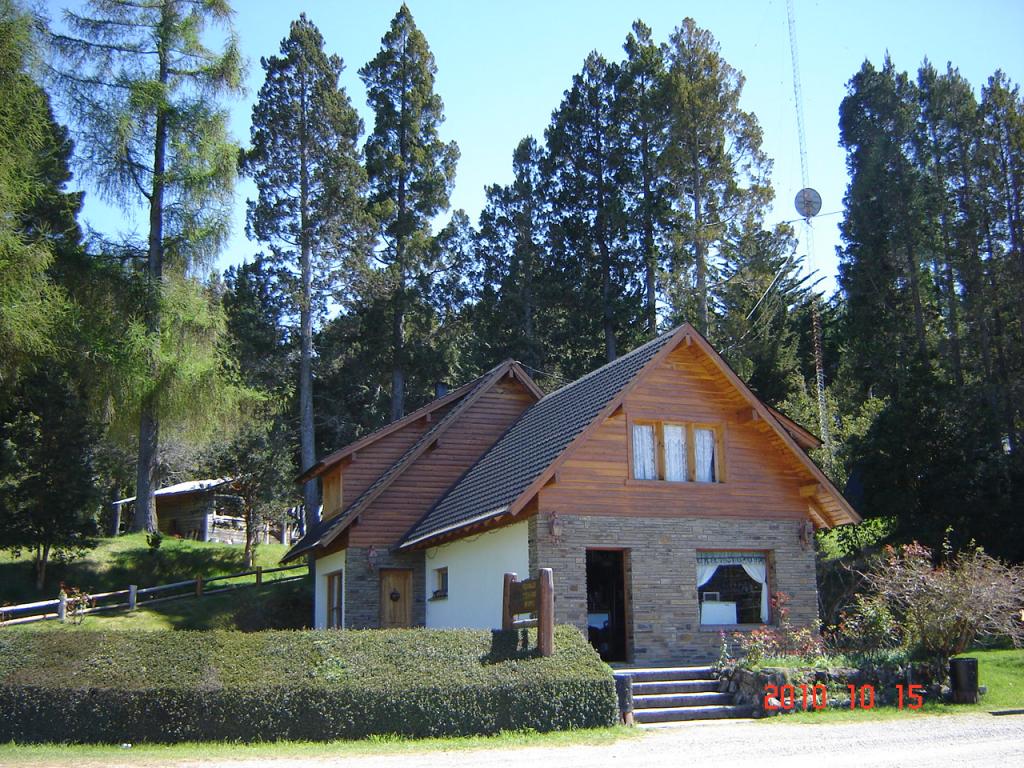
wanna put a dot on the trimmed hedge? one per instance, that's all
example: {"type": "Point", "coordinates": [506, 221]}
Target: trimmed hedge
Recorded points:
{"type": "Point", "coordinates": [230, 686]}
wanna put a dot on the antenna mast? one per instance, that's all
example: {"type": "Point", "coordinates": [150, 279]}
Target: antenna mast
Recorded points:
{"type": "Point", "coordinates": [808, 203]}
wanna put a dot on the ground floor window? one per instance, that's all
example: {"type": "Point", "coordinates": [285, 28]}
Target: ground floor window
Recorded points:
{"type": "Point", "coordinates": [335, 599]}
{"type": "Point", "coordinates": [732, 587]}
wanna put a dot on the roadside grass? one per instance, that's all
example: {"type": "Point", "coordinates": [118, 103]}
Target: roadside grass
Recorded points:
{"type": "Point", "coordinates": [1002, 671]}
{"type": "Point", "coordinates": [83, 756]}
{"type": "Point", "coordinates": [115, 563]}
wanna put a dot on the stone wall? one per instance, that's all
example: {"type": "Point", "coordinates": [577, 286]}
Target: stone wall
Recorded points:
{"type": "Point", "coordinates": [661, 574]}
{"type": "Point", "coordinates": [362, 586]}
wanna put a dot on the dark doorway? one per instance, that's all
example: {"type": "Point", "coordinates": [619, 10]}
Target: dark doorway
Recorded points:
{"type": "Point", "coordinates": [606, 603]}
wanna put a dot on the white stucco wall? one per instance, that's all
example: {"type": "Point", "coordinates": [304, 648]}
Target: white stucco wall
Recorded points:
{"type": "Point", "coordinates": [325, 566]}
{"type": "Point", "coordinates": [476, 568]}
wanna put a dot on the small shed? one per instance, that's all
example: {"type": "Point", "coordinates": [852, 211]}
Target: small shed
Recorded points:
{"type": "Point", "coordinates": [195, 510]}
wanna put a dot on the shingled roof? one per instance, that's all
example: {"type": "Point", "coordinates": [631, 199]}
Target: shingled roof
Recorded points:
{"type": "Point", "coordinates": [325, 531]}
{"type": "Point", "coordinates": [503, 479]}
{"type": "Point", "coordinates": [530, 445]}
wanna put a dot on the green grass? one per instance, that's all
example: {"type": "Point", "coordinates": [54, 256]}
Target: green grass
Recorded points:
{"type": "Point", "coordinates": [152, 754]}
{"type": "Point", "coordinates": [270, 606]}
{"type": "Point", "coordinates": [115, 563]}
{"type": "Point", "coordinates": [1002, 671]}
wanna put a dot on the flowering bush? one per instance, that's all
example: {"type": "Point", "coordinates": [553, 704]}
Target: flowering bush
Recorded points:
{"type": "Point", "coordinates": [943, 610]}
{"type": "Point", "coordinates": [782, 639]}
{"type": "Point", "coordinates": [867, 627]}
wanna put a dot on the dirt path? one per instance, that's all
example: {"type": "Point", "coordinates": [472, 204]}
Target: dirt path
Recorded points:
{"type": "Point", "coordinates": [974, 740]}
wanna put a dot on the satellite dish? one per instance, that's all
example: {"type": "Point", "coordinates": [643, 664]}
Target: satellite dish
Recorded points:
{"type": "Point", "coordinates": [807, 202]}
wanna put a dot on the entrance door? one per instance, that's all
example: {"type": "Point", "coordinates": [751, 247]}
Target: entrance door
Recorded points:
{"type": "Point", "coordinates": [395, 598]}
{"type": "Point", "coordinates": [606, 603]}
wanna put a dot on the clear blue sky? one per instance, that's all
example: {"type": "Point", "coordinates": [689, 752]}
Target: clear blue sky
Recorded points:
{"type": "Point", "coordinates": [503, 66]}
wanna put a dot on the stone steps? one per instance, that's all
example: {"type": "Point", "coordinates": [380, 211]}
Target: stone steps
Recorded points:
{"type": "Point", "coordinates": [683, 714]}
{"type": "Point", "coordinates": [662, 700]}
{"type": "Point", "coordinates": [678, 694]}
{"type": "Point", "coordinates": [675, 686]}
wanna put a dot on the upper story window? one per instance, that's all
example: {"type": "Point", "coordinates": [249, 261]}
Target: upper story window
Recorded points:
{"type": "Point", "coordinates": [677, 453]}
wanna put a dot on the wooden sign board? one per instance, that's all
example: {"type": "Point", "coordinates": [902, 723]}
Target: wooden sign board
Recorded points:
{"type": "Point", "coordinates": [523, 596]}
{"type": "Point", "coordinates": [536, 596]}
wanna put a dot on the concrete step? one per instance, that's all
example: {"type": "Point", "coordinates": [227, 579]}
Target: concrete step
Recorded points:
{"type": "Point", "coordinates": [667, 700]}
{"type": "Point", "coordinates": [675, 686]}
{"type": "Point", "coordinates": [680, 714]}
{"type": "Point", "coordinates": [654, 674]}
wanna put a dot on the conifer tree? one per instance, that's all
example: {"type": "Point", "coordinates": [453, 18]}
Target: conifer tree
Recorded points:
{"type": "Point", "coordinates": [714, 162]}
{"type": "Point", "coordinates": [511, 263]}
{"type": "Point", "coordinates": [309, 209]}
{"type": "Point", "coordinates": [588, 234]}
{"type": "Point", "coordinates": [411, 173]}
{"type": "Point", "coordinates": [143, 87]}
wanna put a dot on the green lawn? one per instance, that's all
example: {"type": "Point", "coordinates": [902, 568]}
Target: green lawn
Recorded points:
{"type": "Point", "coordinates": [270, 606]}
{"type": "Point", "coordinates": [152, 754]}
{"type": "Point", "coordinates": [115, 563]}
{"type": "Point", "coordinates": [1002, 671]}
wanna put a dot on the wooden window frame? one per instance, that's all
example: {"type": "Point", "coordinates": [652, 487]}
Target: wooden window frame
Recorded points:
{"type": "Point", "coordinates": [335, 599]}
{"type": "Point", "coordinates": [689, 431]}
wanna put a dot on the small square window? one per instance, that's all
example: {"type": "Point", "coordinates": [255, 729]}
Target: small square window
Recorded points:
{"type": "Point", "coordinates": [440, 584]}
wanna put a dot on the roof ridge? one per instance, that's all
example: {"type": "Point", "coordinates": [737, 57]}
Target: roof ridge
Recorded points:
{"type": "Point", "coordinates": [628, 355]}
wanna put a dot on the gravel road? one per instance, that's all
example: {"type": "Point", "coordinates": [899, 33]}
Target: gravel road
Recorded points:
{"type": "Point", "coordinates": [982, 740]}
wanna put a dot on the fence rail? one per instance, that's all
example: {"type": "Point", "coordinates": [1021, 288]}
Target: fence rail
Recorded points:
{"type": "Point", "coordinates": [60, 607]}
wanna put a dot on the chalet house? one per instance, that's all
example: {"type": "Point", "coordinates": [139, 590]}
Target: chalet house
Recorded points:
{"type": "Point", "coordinates": [669, 501]}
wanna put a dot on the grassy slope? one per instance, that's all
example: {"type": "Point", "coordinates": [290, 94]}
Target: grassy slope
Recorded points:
{"type": "Point", "coordinates": [1001, 671]}
{"type": "Point", "coordinates": [116, 563]}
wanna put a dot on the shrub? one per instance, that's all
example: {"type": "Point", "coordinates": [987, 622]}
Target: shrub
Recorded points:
{"type": "Point", "coordinates": [944, 610]}
{"type": "Point", "coordinates": [782, 640]}
{"type": "Point", "coordinates": [867, 627]}
{"type": "Point", "coordinates": [233, 686]}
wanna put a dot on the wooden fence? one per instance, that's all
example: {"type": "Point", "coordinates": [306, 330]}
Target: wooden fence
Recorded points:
{"type": "Point", "coordinates": [133, 597]}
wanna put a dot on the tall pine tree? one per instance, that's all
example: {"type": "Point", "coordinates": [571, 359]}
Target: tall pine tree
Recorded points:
{"type": "Point", "coordinates": [310, 207]}
{"type": "Point", "coordinates": [411, 173]}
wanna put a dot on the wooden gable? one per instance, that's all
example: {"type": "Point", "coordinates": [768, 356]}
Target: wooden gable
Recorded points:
{"type": "Point", "coordinates": [762, 471]}
{"type": "Point", "coordinates": [429, 476]}
{"type": "Point", "coordinates": [343, 482]}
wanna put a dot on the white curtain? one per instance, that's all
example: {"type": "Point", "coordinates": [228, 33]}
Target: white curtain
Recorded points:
{"type": "Point", "coordinates": [644, 465]}
{"type": "Point", "coordinates": [704, 448]}
{"type": "Point", "coordinates": [759, 573]}
{"type": "Point", "coordinates": [675, 453]}
{"type": "Point", "coordinates": [705, 572]}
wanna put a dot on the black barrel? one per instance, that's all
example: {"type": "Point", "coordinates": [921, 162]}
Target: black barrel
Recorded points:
{"type": "Point", "coordinates": [963, 680]}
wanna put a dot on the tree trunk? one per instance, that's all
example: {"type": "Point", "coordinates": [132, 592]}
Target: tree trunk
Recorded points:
{"type": "Point", "coordinates": [914, 279]}
{"type": "Point", "coordinates": [650, 256]}
{"type": "Point", "coordinates": [149, 425]}
{"type": "Point", "coordinates": [145, 518]}
{"type": "Point", "coordinates": [398, 362]}
{"type": "Point", "coordinates": [42, 558]}
{"type": "Point", "coordinates": [115, 510]}
{"type": "Point", "coordinates": [250, 535]}
{"type": "Point", "coordinates": [700, 263]}
{"type": "Point", "coordinates": [307, 435]}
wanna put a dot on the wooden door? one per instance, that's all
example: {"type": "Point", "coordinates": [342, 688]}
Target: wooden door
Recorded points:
{"type": "Point", "coordinates": [395, 598]}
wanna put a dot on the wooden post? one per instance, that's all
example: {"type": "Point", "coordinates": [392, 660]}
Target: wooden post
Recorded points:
{"type": "Point", "coordinates": [199, 586]}
{"type": "Point", "coordinates": [62, 606]}
{"type": "Point", "coordinates": [133, 596]}
{"type": "Point", "coordinates": [506, 604]}
{"type": "Point", "coordinates": [259, 575]}
{"type": "Point", "coordinates": [546, 613]}
{"type": "Point", "coordinates": [624, 690]}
